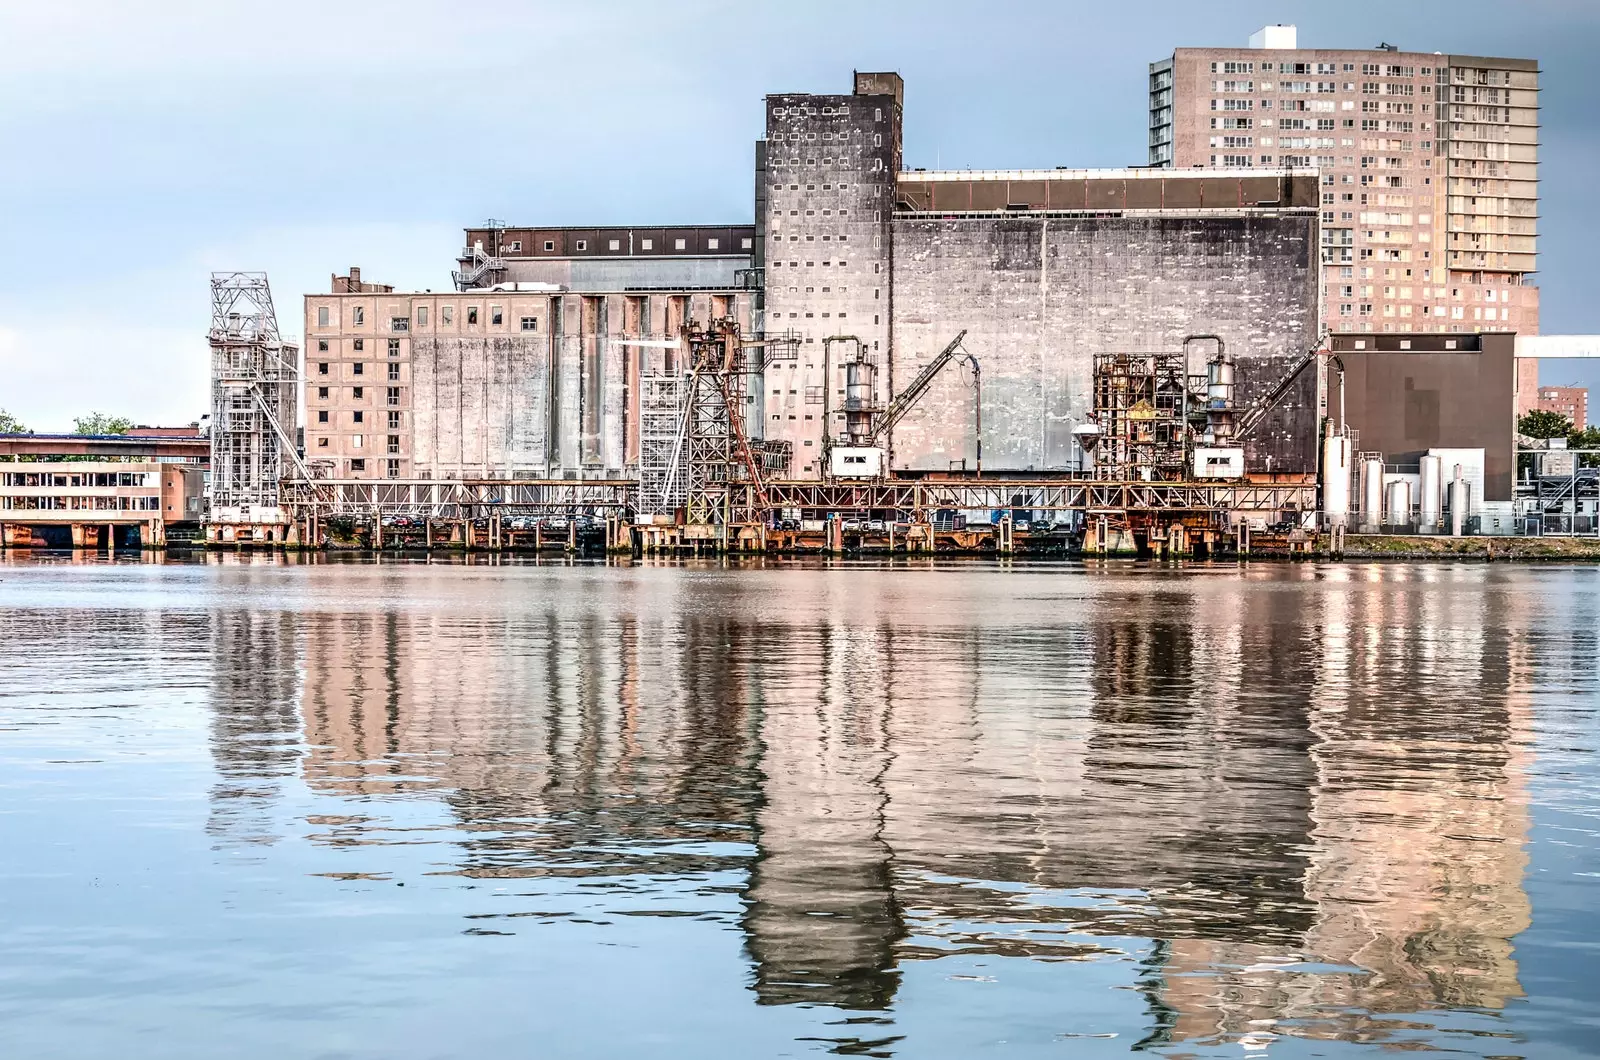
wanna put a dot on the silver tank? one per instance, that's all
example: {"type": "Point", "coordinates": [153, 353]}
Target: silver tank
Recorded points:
{"type": "Point", "coordinates": [1372, 494]}
{"type": "Point", "coordinates": [1429, 497]}
{"type": "Point", "coordinates": [1399, 503]}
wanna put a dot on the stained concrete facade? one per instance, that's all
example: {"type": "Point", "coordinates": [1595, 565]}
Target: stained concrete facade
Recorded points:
{"type": "Point", "coordinates": [494, 383]}
{"type": "Point", "coordinates": [829, 168]}
{"type": "Point", "coordinates": [1041, 294]}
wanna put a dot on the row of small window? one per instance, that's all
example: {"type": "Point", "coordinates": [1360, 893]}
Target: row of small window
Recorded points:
{"type": "Point", "coordinates": [876, 167]}
{"type": "Point", "coordinates": [360, 345]}
{"type": "Point", "coordinates": [810, 213]}
{"type": "Point", "coordinates": [357, 441]}
{"type": "Point", "coordinates": [813, 187]}
{"type": "Point", "coordinates": [1321, 88]}
{"type": "Point", "coordinates": [92, 479]}
{"type": "Point", "coordinates": [827, 137]}
{"type": "Point", "coordinates": [359, 368]}
{"type": "Point", "coordinates": [446, 316]}
{"type": "Point", "coordinates": [79, 504]}
{"type": "Point", "coordinates": [582, 245]}
{"type": "Point", "coordinates": [876, 266]}
{"type": "Point", "coordinates": [358, 416]}
{"type": "Point", "coordinates": [359, 464]}
{"type": "Point", "coordinates": [1367, 69]}
{"type": "Point", "coordinates": [359, 393]}
{"type": "Point", "coordinates": [795, 238]}
{"type": "Point", "coordinates": [1452, 312]}
{"type": "Point", "coordinates": [793, 316]}
{"type": "Point", "coordinates": [800, 109]}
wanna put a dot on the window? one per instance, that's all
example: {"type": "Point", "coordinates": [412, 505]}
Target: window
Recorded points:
{"type": "Point", "coordinates": [549, 245]}
{"type": "Point", "coordinates": [358, 416]}
{"type": "Point", "coordinates": [583, 244]}
{"type": "Point", "coordinates": [394, 395]}
{"type": "Point", "coordinates": [647, 244]}
{"type": "Point", "coordinates": [678, 244]}
{"type": "Point", "coordinates": [530, 323]}
{"type": "Point", "coordinates": [399, 323]}
{"type": "Point", "coordinates": [357, 392]}
{"type": "Point", "coordinates": [358, 368]}
{"type": "Point", "coordinates": [422, 316]}
{"type": "Point", "coordinates": [358, 316]}
{"type": "Point", "coordinates": [394, 443]}
{"type": "Point", "coordinates": [359, 345]}
{"type": "Point", "coordinates": [358, 464]}
{"type": "Point", "coordinates": [394, 469]}
{"type": "Point", "coordinates": [447, 314]}
{"type": "Point", "coordinates": [322, 443]}
{"type": "Point", "coordinates": [394, 347]}
{"type": "Point", "coordinates": [322, 392]}
{"type": "Point", "coordinates": [322, 316]}
{"type": "Point", "coordinates": [394, 420]}
{"type": "Point", "coordinates": [394, 373]}
{"type": "Point", "coordinates": [322, 368]}
{"type": "Point", "coordinates": [472, 314]}
{"type": "Point", "coordinates": [322, 345]}
{"type": "Point", "coordinates": [515, 246]}
{"type": "Point", "coordinates": [744, 244]}
{"type": "Point", "coordinates": [495, 316]}
{"type": "Point", "coordinates": [356, 441]}
{"type": "Point", "coordinates": [614, 245]}
{"type": "Point", "coordinates": [712, 244]}
{"type": "Point", "coordinates": [322, 416]}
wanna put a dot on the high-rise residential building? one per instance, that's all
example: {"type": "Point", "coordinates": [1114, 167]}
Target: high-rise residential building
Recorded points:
{"type": "Point", "coordinates": [1428, 165]}
{"type": "Point", "coordinates": [1569, 401]}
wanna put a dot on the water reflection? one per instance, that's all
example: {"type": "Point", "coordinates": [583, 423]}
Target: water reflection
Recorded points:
{"type": "Point", "coordinates": [1294, 808]}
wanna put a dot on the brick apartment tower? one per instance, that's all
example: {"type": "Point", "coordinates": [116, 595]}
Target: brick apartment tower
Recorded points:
{"type": "Point", "coordinates": [825, 183]}
{"type": "Point", "coordinates": [1428, 165]}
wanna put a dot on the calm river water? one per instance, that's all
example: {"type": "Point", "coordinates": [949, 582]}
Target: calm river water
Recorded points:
{"type": "Point", "coordinates": [282, 810]}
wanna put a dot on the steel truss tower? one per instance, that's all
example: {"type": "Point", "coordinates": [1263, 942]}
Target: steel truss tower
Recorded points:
{"type": "Point", "coordinates": [254, 398]}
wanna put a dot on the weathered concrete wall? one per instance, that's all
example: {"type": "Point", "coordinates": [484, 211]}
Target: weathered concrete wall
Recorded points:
{"type": "Point", "coordinates": [1040, 296]}
{"type": "Point", "coordinates": [560, 399]}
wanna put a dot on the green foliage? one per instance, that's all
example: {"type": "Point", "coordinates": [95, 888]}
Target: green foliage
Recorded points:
{"type": "Point", "coordinates": [1588, 438]}
{"type": "Point", "coordinates": [1542, 424]}
{"type": "Point", "coordinates": [100, 423]}
{"type": "Point", "coordinates": [9, 424]}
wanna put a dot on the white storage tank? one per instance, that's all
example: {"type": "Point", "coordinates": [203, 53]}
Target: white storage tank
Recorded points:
{"type": "Point", "coordinates": [1399, 509]}
{"type": "Point", "coordinates": [1372, 494]}
{"type": "Point", "coordinates": [1336, 471]}
{"type": "Point", "coordinates": [1431, 471]}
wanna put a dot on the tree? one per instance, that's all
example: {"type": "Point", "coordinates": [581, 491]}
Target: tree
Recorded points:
{"type": "Point", "coordinates": [9, 424]}
{"type": "Point", "coordinates": [1588, 438]}
{"type": "Point", "coordinates": [1542, 424]}
{"type": "Point", "coordinates": [100, 423]}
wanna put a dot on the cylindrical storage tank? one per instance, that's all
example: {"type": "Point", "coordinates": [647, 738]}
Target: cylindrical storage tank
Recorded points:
{"type": "Point", "coordinates": [1219, 399]}
{"type": "Point", "coordinates": [1460, 499]}
{"type": "Point", "coordinates": [1372, 494]}
{"type": "Point", "coordinates": [1428, 494]}
{"type": "Point", "coordinates": [1336, 480]}
{"type": "Point", "coordinates": [1399, 509]}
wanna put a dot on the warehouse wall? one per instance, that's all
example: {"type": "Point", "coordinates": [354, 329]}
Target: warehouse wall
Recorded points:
{"type": "Point", "coordinates": [1041, 295]}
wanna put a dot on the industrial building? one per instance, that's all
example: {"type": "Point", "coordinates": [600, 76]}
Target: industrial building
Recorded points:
{"type": "Point", "coordinates": [1428, 165]}
{"type": "Point", "coordinates": [904, 359]}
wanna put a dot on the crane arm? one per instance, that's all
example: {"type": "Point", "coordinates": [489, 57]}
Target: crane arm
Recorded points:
{"type": "Point", "coordinates": [907, 398]}
{"type": "Point", "coordinates": [1257, 412]}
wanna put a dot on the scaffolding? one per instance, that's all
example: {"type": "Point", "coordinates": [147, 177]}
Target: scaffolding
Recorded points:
{"type": "Point", "coordinates": [254, 402]}
{"type": "Point", "coordinates": [1141, 406]}
{"type": "Point", "coordinates": [663, 470]}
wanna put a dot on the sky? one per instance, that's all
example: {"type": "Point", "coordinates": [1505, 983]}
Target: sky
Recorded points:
{"type": "Point", "coordinates": [149, 144]}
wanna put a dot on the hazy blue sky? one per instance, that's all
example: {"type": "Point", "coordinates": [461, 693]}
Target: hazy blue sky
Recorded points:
{"type": "Point", "coordinates": [146, 144]}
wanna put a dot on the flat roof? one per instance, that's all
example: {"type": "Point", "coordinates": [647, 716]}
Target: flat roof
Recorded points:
{"type": "Point", "coordinates": [1130, 173]}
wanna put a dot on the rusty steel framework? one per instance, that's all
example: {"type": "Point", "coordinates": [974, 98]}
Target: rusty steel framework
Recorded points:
{"type": "Point", "coordinates": [463, 498]}
{"type": "Point", "coordinates": [254, 398]}
{"type": "Point", "coordinates": [1042, 495]}
{"type": "Point", "coordinates": [1141, 405]}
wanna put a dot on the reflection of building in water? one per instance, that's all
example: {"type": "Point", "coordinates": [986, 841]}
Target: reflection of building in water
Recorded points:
{"type": "Point", "coordinates": [1416, 859]}
{"type": "Point", "coordinates": [822, 915]}
{"type": "Point", "coordinates": [936, 765]}
{"type": "Point", "coordinates": [255, 727]}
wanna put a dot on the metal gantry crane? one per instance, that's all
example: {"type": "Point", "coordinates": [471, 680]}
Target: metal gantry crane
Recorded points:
{"type": "Point", "coordinates": [867, 425]}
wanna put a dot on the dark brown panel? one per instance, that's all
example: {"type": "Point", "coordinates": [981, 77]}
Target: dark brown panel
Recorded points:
{"type": "Point", "coordinates": [1067, 195]}
{"type": "Point", "coordinates": [1144, 194]}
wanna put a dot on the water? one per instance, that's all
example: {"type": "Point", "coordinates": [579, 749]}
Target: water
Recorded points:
{"type": "Point", "coordinates": [400, 810]}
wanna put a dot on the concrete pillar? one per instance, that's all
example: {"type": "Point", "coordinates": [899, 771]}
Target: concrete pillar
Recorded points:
{"type": "Point", "coordinates": [155, 534]}
{"type": "Point", "coordinates": [469, 527]}
{"type": "Point", "coordinates": [1004, 539]}
{"type": "Point", "coordinates": [572, 533]}
{"type": "Point", "coordinates": [377, 530]}
{"type": "Point", "coordinates": [77, 535]}
{"type": "Point", "coordinates": [538, 535]}
{"type": "Point", "coordinates": [111, 539]}
{"type": "Point", "coordinates": [427, 534]}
